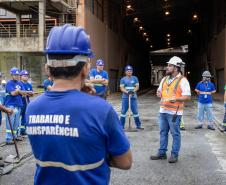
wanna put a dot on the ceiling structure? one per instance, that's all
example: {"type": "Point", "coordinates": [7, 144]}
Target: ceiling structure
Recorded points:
{"type": "Point", "coordinates": [24, 7]}
{"type": "Point", "coordinates": [163, 23]}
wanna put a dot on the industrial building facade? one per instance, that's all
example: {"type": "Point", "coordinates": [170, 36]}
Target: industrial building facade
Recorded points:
{"type": "Point", "coordinates": [24, 31]}
{"type": "Point", "coordinates": [112, 26]}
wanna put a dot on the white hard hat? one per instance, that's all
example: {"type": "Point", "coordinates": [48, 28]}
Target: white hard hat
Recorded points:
{"type": "Point", "coordinates": [177, 61]}
{"type": "Point", "coordinates": [206, 74]}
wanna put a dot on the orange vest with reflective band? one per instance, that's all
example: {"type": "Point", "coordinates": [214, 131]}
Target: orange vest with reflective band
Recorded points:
{"type": "Point", "coordinates": [169, 91]}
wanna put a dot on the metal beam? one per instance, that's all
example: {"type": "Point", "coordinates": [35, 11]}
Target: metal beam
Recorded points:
{"type": "Point", "coordinates": [8, 8]}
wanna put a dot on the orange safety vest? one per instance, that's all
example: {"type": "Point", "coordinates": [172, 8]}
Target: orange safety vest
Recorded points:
{"type": "Point", "coordinates": [171, 91]}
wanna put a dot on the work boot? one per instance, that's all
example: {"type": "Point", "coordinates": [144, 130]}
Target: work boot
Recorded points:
{"type": "Point", "coordinates": [173, 159]}
{"type": "Point", "coordinates": [140, 128]}
{"type": "Point", "coordinates": [23, 133]}
{"type": "Point", "coordinates": [210, 127]}
{"type": "Point", "coordinates": [198, 127]}
{"type": "Point", "coordinates": [223, 128]}
{"type": "Point", "coordinates": [19, 138]}
{"type": "Point", "coordinates": [9, 142]}
{"type": "Point", "coordinates": [182, 128]}
{"type": "Point", "coordinates": [158, 157]}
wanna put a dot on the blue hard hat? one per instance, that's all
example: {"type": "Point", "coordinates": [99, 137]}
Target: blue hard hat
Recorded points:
{"type": "Point", "coordinates": [128, 68]}
{"type": "Point", "coordinates": [14, 71]}
{"type": "Point", "coordinates": [68, 39]}
{"type": "Point", "coordinates": [24, 72]}
{"type": "Point", "coordinates": [99, 62]}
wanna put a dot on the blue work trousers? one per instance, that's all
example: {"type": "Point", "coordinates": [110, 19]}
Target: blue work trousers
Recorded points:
{"type": "Point", "coordinates": [125, 106]}
{"type": "Point", "coordinates": [15, 120]}
{"type": "Point", "coordinates": [166, 124]}
{"type": "Point", "coordinates": [205, 108]}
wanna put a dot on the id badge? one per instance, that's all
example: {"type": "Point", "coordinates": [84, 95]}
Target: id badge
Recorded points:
{"type": "Point", "coordinates": [205, 96]}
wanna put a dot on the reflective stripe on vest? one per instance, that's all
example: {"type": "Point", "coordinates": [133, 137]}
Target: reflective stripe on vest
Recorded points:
{"type": "Point", "coordinates": [172, 107]}
{"type": "Point", "coordinates": [99, 85]}
{"type": "Point", "coordinates": [171, 91]}
{"type": "Point", "coordinates": [71, 168]}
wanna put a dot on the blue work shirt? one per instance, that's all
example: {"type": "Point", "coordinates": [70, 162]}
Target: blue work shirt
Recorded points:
{"type": "Point", "coordinates": [71, 141]}
{"type": "Point", "coordinates": [2, 95]}
{"type": "Point", "coordinates": [129, 83]}
{"type": "Point", "coordinates": [100, 88]}
{"type": "Point", "coordinates": [27, 87]}
{"type": "Point", "coordinates": [10, 100]}
{"type": "Point", "coordinates": [47, 83]}
{"type": "Point", "coordinates": [205, 87]}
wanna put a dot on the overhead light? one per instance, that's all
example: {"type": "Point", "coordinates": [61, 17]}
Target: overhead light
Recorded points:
{"type": "Point", "coordinates": [189, 31]}
{"type": "Point", "coordinates": [128, 6]}
{"type": "Point", "coordinates": [195, 16]}
{"type": "Point", "coordinates": [168, 43]}
{"type": "Point", "coordinates": [135, 19]}
{"type": "Point", "coordinates": [145, 34]}
{"type": "Point", "coordinates": [167, 12]}
{"type": "Point", "coordinates": [168, 35]}
{"type": "Point", "coordinates": [141, 28]}
{"type": "Point", "coordinates": [147, 39]}
{"type": "Point", "coordinates": [151, 46]}
{"type": "Point", "coordinates": [189, 72]}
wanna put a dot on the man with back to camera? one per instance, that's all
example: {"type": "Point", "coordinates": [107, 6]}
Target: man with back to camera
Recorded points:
{"type": "Point", "coordinates": [74, 142]}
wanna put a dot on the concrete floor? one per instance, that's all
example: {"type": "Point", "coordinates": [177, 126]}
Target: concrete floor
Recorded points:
{"type": "Point", "coordinates": [202, 160]}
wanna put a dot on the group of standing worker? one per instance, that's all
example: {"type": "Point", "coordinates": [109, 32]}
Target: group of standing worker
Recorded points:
{"type": "Point", "coordinates": [98, 80]}
{"type": "Point", "coordinates": [14, 100]}
{"type": "Point", "coordinates": [88, 127]}
{"type": "Point", "coordinates": [18, 91]}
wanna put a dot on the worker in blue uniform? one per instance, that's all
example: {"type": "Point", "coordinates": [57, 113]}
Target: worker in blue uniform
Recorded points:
{"type": "Point", "coordinates": [205, 89]}
{"type": "Point", "coordinates": [99, 77]}
{"type": "Point", "coordinates": [75, 137]}
{"type": "Point", "coordinates": [13, 100]}
{"type": "Point", "coordinates": [2, 96]}
{"type": "Point", "coordinates": [129, 85]}
{"type": "Point", "coordinates": [48, 83]}
{"type": "Point", "coordinates": [24, 76]}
